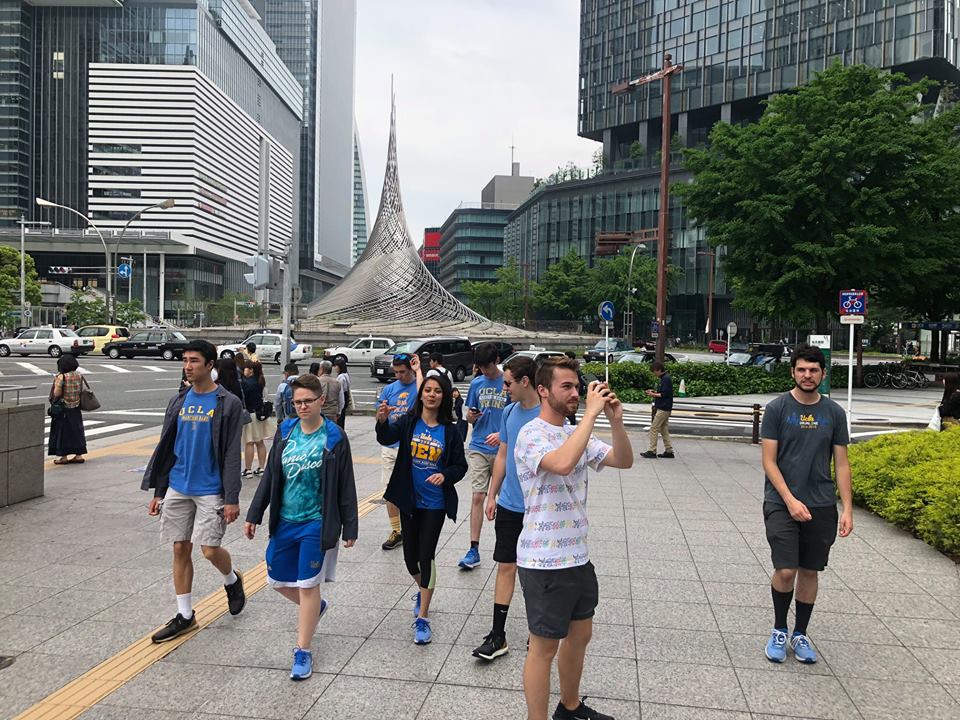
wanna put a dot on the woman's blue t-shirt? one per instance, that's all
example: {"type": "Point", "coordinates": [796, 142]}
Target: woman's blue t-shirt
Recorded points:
{"type": "Point", "coordinates": [426, 447]}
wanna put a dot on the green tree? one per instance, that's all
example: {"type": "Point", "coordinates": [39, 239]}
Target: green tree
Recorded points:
{"type": "Point", "coordinates": [130, 313]}
{"type": "Point", "coordinates": [220, 313]}
{"type": "Point", "coordinates": [607, 280]}
{"type": "Point", "coordinates": [481, 296]}
{"type": "Point", "coordinates": [840, 184]}
{"type": "Point", "coordinates": [85, 309]}
{"type": "Point", "coordinates": [562, 293]}
{"type": "Point", "coordinates": [501, 300]}
{"type": "Point", "coordinates": [10, 282]}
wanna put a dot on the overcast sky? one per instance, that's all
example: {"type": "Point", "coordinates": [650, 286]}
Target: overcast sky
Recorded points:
{"type": "Point", "coordinates": [469, 76]}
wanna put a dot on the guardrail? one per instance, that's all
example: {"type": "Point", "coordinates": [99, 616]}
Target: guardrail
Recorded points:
{"type": "Point", "coordinates": [4, 389]}
{"type": "Point", "coordinates": [751, 413]}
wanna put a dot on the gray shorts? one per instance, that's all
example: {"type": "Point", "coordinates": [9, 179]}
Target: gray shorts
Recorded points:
{"type": "Point", "coordinates": [479, 470]}
{"type": "Point", "coordinates": [196, 518]}
{"type": "Point", "coordinates": [555, 598]}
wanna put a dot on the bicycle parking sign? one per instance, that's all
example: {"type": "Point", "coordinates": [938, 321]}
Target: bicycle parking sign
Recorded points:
{"type": "Point", "coordinates": [853, 302]}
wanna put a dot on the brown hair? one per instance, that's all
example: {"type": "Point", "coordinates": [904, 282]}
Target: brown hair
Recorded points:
{"type": "Point", "coordinates": [951, 383]}
{"type": "Point", "coordinates": [550, 366]}
{"type": "Point", "coordinates": [309, 382]}
{"type": "Point", "coordinates": [257, 372]}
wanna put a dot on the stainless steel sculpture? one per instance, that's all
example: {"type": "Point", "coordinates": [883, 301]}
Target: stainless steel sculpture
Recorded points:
{"type": "Point", "coordinates": [390, 287]}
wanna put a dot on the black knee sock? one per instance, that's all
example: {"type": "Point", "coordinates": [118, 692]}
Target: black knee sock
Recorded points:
{"type": "Point", "coordinates": [781, 606]}
{"type": "Point", "coordinates": [803, 617]}
{"type": "Point", "coordinates": [500, 619]}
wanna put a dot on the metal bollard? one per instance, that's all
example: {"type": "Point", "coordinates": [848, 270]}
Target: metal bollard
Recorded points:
{"type": "Point", "coordinates": [756, 423]}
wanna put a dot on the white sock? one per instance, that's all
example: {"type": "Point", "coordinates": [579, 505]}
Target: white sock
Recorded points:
{"type": "Point", "coordinates": [185, 606]}
{"type": "Point", "coordinates": [230, 578]}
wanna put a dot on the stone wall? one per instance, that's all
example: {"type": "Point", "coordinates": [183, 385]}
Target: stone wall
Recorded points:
{"type": "Point", "coordinates": [21, 452]}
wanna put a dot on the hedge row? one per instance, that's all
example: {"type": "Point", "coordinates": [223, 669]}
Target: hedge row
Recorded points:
{"type": "Point", "coordinates": [911, 479]}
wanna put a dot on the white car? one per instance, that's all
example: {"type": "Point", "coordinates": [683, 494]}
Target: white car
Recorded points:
{"type": "Point", "coordinates": [360, 351]}
{"type": "Point", "coordinates": [269, 346]}
{"type": "Point", "coordinates": [46, 341]}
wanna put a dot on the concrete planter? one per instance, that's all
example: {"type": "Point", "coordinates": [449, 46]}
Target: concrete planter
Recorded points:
{"type": "Point", "coordinates": [21, 453]}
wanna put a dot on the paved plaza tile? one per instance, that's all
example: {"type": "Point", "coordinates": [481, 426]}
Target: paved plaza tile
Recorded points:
{"type": "Point", "coordinates": [685, 611]}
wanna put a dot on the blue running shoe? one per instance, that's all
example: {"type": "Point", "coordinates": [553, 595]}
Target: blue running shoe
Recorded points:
{"type": "Point", "coordinates": [802, 650]}
{"type": "Point", "coordinates": [324, 606]}
{"type": "Point", "coordinates": [302, 665]}
{"type": "Point", "coordinates": [416, 603]}
{"type": "Point", "coordinates": [471, 559]}
{"type": "Point", "coordinates": [776, 650]}
{"type": "Point", "coordinates": [422, 634]}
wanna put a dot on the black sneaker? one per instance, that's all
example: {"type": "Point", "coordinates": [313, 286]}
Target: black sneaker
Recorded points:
{"type": "Point", "coordinates": [648, 454]}
{"type": "Point", "coordinates": [394, 539]}
{"type": "Point", "coordinates": [492, 647]}
{"type": "Point", "coordinates": [583, 712]}
{"type": "Point", "coordinates": [175, 628]}
{"type": "Point", "coordinates": [236, 597]}
{"type": "Point", "coordinates": [667, 454]}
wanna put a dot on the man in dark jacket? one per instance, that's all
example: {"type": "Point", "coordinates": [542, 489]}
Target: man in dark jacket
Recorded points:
{"type": "Point", "coordinates": [662, 407]}
{"type": "Point", "coordinates": [195, 477]}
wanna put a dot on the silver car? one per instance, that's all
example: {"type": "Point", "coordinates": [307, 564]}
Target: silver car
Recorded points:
{"type": "Point", "coordinates": [46, 341]}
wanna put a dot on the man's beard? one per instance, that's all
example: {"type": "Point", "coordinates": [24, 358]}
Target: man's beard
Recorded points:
{"type": "Point", "coordinates": [804, 390]}
{"type": "Point", "coordinates": [560, 407]}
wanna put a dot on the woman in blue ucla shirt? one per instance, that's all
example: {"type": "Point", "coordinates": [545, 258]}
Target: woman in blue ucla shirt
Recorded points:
{"type": "Point", "coordinates": [309, 482]}
{"type": "Point", "coordinates": [430, 461]}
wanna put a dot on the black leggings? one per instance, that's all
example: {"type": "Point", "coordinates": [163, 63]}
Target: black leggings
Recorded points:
{"type": "Point", "coordinates": [421, 533]}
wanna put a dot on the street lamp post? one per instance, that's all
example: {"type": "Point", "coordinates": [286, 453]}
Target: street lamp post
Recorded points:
{"type": "Point", "coordinates": [664, 74]}
{"type": "Point", "coordinates": [164, 205]}
{"type": "Point", "coordinates": [106, 251]}
{"type": "Point", "coordinates": [712, 254]}
{"type": "Point", "coordinates": [23, 222]}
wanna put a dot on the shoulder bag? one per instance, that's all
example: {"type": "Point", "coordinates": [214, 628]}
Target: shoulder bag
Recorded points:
{"type": "Point", "coordinates": [88, 399]}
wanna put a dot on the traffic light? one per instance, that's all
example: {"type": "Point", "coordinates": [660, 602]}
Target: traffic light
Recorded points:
{"type": "Point", "coordinates": [260, 277]}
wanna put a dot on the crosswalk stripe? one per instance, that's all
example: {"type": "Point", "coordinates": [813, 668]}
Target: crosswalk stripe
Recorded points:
{"type": "Point", "coordinates": [115, 368]}
{"type": "Point", "coordinates": [120, 427]}
{"type": "Point", "coordinates": [86, 423]}
{"type": "Point", "coordinates": [33, 368]}
{"type": "Point", "coordinates": [154, 368]}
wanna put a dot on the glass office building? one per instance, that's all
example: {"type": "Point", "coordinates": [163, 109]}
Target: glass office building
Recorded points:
{"type": "Point", "coordinates": [471, 246]}
{"type": "Point", "coordinates": [734, 54]}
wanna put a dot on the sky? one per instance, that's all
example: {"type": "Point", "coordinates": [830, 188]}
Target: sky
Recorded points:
{"type": "Point", "coordinates": [471, 77]}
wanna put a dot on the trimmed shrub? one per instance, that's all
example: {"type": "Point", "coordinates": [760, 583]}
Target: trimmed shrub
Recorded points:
{"type": "Point", "coordinates": [913, 480]}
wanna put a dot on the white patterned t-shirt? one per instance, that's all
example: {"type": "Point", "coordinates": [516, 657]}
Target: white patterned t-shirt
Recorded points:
{"type": "Point", "coordinates": [555, 521]}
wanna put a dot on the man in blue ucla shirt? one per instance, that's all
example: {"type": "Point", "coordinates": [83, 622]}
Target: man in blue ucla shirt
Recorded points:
{"type": "Point", "coordinates": [485, 402]}
{"type": "Point", "coordinates": [195, 476]}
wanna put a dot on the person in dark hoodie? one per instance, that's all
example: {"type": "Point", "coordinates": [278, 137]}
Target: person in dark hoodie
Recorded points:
{"type": "Point", "coordinates": [195, 476]}
{"type": "Point", "coordinates": [430, 461]}
{"type": "Point", "coordinates": [309, 483]}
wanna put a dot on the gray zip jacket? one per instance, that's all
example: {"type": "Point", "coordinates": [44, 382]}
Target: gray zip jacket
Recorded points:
{"type": "Point", "coordinates": [226, 430]}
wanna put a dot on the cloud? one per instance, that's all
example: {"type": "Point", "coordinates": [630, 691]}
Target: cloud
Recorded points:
{"type": "Point", "coordinates": [469, 77]}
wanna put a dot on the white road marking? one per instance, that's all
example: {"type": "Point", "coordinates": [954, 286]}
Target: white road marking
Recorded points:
{"type": "Point", "coordinates": [115, 368]}
{"type": "Point", "coordinates": [112, 428]}
{"type": "Point", "coordinates": [33, 368]}
{"type": "Point", "coordinates": [154, 368]}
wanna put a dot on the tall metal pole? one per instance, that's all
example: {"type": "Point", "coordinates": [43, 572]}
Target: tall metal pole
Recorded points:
{"type": "Point", "coordinates": [663, 223]}
{"type": "Point", "coordinates": [628, 316]}
{"type": "Point", "coordinates": [164, 205]}
{"type": "Point", "coordinates": [23, 269]}
{"type": "Point", "coordinates": [710, 273]}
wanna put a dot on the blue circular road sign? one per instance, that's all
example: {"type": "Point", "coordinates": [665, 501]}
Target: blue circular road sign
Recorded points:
{"type": "Point", "coordinates": [606, 311]}
{"type": "Point", "coordinates": [124, 271]}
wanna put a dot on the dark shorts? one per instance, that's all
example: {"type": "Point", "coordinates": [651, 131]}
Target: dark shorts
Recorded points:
{"type": "Point", "coordinates": [507, 525]}
{"type": "Point", "coordinates": [800, 544]}
{"type": "Point", "coordinates": [555, 598]}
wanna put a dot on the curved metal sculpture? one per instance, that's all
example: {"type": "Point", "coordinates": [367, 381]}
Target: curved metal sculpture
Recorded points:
{"type": "Point", "coordinates": [389, 285]}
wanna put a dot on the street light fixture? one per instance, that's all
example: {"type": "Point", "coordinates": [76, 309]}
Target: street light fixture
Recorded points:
{"type": "Point", "coordinates": [163, 205]}
{"type": "Point", "coordinates": [106, 251]}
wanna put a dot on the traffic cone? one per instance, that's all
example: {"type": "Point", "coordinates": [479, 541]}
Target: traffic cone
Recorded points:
{"type": "Point", "coordinates": [683, 388]}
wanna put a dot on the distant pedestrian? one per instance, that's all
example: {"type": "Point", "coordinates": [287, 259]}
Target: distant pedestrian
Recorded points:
{"type": "Point", "coordinates": [283, 397]}
{"type": "Point", "coordinates": [462, 426]}
{"type": "Point", "coordinates": [227, 377]}
{"type": "Point", "coordinates": [802, 432]}
{"type": "Point", "coordinates": [343, 377]}
{"type": "Point", "coordinates": [67, 441]}
{"type": "Point", "coordinates": [332, 391]}
{"type": "Point", "coordinates": [437, 368]}
{"type": "Point", "coordinates": [950, 404]}
{"type": "Point", "coordinates": [195, 477]}
{"type": "Point", "coordinates": [429, 463]}
{"type": "Point", "coordinates": [662, 407]}
{"type": "Point", "coordinates": [260, 426]}
{"type": "Point", "coordinates": [314, 369]}
{"type": "Point", "coordinates": [309, 485]}
{"type": "Point", "coordinates": [251, 353]}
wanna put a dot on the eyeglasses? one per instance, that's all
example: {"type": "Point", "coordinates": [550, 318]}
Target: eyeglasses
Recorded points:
{"type": "Point", "coordinates": [305, 403]}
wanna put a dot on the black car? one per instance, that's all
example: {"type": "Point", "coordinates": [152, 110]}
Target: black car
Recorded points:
{"type": "Point", "coordinates": [504, 349]}
{"type": "Point", "coordinates": [167, 344]}
{"type": "Point", "coordinates": [456, 351]}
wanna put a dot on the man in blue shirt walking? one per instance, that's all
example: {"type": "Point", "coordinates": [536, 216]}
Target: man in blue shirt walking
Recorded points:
{"type": "Point", "coordinates": [195, 476]}
{"type": "Point", "coordinates": [485, 402]}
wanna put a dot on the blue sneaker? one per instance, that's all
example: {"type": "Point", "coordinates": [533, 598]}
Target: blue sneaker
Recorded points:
{"type": "Point", "coordinates": [324, 606]}
{"type": "Point", "coordinates": [776, 650]}
{"type": "Point", "coordinates": [416, 603]}
{"type": "Point", "coordinates": [422, 634]}
{"type": "Point", "coordinates": [802, 650]}
{"type": "Point", "coordinates": [471, 559]}
{"type": "Point", "coordinates": [302, 665]}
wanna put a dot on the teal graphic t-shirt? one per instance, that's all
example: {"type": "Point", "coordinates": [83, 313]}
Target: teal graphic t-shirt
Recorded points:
{"type": "Point", "coordinates": [302, 461]}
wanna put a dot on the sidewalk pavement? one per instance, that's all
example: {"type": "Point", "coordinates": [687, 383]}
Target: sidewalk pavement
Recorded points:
{"type": "Point", "coordinates": [882, 406]}
{"type": "Point", "coordinates": [684, 614]}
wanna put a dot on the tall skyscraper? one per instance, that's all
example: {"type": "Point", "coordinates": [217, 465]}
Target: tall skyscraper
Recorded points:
{"type": "Point", "coordinates": [361, 233]}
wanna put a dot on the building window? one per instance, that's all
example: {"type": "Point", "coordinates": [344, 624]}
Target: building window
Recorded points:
{"type": "Point", "coordinates": [114, 170]}
{"type": "Point", "coordinates": [115, 148]}
{"type": "Point", "coordinates": [115, 193]}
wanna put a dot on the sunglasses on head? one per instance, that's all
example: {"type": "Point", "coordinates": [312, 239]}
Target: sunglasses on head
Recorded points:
{"type": "Point", "coordinates": [402, 357]}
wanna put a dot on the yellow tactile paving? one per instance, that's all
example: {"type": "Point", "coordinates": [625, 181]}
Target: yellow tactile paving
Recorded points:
{"type": "Point", "coordinates": [81, 694]}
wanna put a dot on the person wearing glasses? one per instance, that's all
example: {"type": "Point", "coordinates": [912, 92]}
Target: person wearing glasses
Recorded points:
{"type": "Point", "coordinates": [308, 482]}
{"type": "Point", "coordinates": [430, 461]}
{"type": "Point", "coordinates": [398, 396]}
